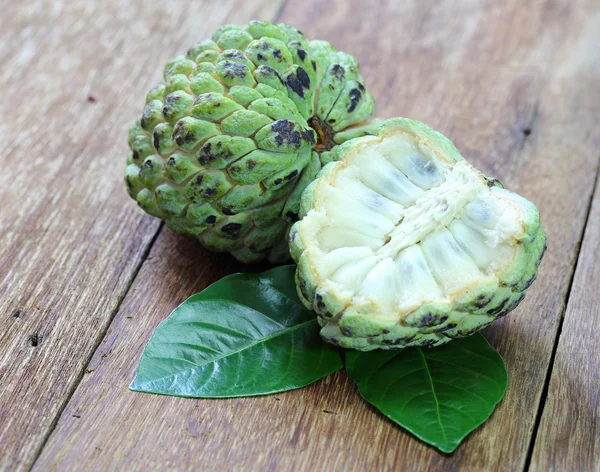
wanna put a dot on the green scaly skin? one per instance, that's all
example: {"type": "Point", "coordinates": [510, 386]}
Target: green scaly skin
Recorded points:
{"type": "Point", "coordinates": [431, 324]}
{"type": "Point", "coordinates": [242, 124]}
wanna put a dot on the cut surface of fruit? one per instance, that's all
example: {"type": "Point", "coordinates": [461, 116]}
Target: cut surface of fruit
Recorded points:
{"type": "Point", "coordinates": [402, 242]}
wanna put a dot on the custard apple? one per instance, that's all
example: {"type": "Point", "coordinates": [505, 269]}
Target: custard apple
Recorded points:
{"type": "Point", "coordinates": [242, 124]}
{"type": "Point", "coordinates": [402, 242]}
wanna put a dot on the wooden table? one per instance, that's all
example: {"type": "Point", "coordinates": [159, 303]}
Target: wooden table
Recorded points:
{"type": "Point", "coordinates": [85, 275]}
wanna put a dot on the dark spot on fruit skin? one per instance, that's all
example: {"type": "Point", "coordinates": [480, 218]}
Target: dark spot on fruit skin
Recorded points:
{"type": "Point", "coordinates": [235, 55]}
{"type": "Point", "coordinates": [301, 54]}
{"type": "Point", "coordinates": [251, 164]}
{"type": "Point", "coordinates": [291, 175]}
{"type": "Point", "coordinates": [277, 181]}
{"type": "Point", "coordinates": [295, 84]}
{"type": "Point", "coordinates": [269, 71]}
{"type": "Point", "coordinates": [288, 135]}
{"type": "Point", "coordinates": [499, 308]}
{"type": "Point", "coordinates": [447, 327]}
{"type": "Point", "coordinates": [303, 77]}
{"type": "Point", "coordinates": [292, 216]}
{"type": "Point", "coordinates": [211, 219]}
{"type": "Point", "coordinates": [231, 229]}
{"type": "Point", "coordinates": [429, 320]}
{"type": "Point", "coordinates": [207, 154]}
{"type": "Point", "coordinates": [355, 95]}
{"type": "Point", "coordinates": [234, 69]}
{"type": "Point", "coordinates": [482, 301]}
{"type": "Point", "coordinates": [512, 306]}
{"type": "Point", "coordinates": [227, 211]}
{"type": "Point", "coordinates": [338, 72]}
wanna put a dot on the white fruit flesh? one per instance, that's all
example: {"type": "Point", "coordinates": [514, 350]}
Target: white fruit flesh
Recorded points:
{"type": "Point", "coordinates": [396, 225]}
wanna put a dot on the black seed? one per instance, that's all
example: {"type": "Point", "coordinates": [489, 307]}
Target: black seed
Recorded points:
{"type": "Point", "coordinates": [227, 211]}
{"type": "Point", "coordinates": [211, 219]}
{"type": "Point", "coordinates": [277, 181]}
{"type": "Point", "coordinates": [301, 54]}
{"type": "Point", "coordinates": [346, 331]}
{"type": "Point", "coordinates": [292, 216]}
{"type": "Point", "coordinates": [129, 184]}
{"type": "Point", "coordinates": [331, 120]}
{"type": "Point", "coordinates": [148, 164]}
{"type": "Point", "coordinates": [172, 99]}
{"type": "Point", "coordinates": [200, 179]}
{"type": "Point", "coordinates": [386, 331]}
{"type": "Point", "coordinates": [260, 57]}
{"type": "Point", "coordinates": [277, 53]}
{"type": "Point", "coordinates": [428, 343]}
{"type": "Point", "coordinates": [361, 87]}
{"type": "Point", "coordinates": [251, 164]}
{"type": "Point", "coordinates": [355, 95]}
{"type": "Point", "coordinates": [314, 65]}
{"type": "Point", "coordinates": [171, 161]}
{"type": "Point", "coordinates": [156, 140]}
{"type": "Point", "coordinates": [135, 155]}
{"type": "Point", "coordinates": [91, 99]}
{"type": "Point", "coordinates": [232, 229]}
{"type": "Point", "coordinates": [209, 192]}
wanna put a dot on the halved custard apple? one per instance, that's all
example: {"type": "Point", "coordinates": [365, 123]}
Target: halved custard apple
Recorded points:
{"type": "Point", "coordinates": [404, 243]}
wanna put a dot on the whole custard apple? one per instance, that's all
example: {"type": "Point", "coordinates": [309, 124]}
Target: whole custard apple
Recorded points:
{"type": "Point", "coordinates": [225, 147]}
{"type": "Point", "coordinates": [404, 243]}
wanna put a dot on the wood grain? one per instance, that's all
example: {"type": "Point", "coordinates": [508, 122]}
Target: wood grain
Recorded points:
{"type": "Point", "coordinates": [569, 432]}
{"type": "Point", "coordinates": [73, 75]}
{"type": "Point", "coordinates": [505, 81]}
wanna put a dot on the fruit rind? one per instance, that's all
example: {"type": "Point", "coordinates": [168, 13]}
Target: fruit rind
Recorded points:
{"type": "Point", "coordinates": [360, 322]}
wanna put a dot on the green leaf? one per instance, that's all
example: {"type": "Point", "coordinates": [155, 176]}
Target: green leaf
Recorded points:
{"type": "Point", "coordinates": [247, 334]}
{"type": "Point", "coordinates": [440, 395]}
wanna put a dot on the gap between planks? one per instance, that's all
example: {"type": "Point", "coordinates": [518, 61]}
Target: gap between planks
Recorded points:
{"type": "Point", "coordinates": [99, 337]}
{"type": "Point", "coordinates": [544, 396]}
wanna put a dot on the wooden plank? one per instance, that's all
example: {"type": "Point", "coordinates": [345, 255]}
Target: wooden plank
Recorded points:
{"type": "Point", "coordinates": [490, 75]}
{"type": "Point", "coordinates": [569, 433]}
{"type": "Point", "coordinates": [73, 75]}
